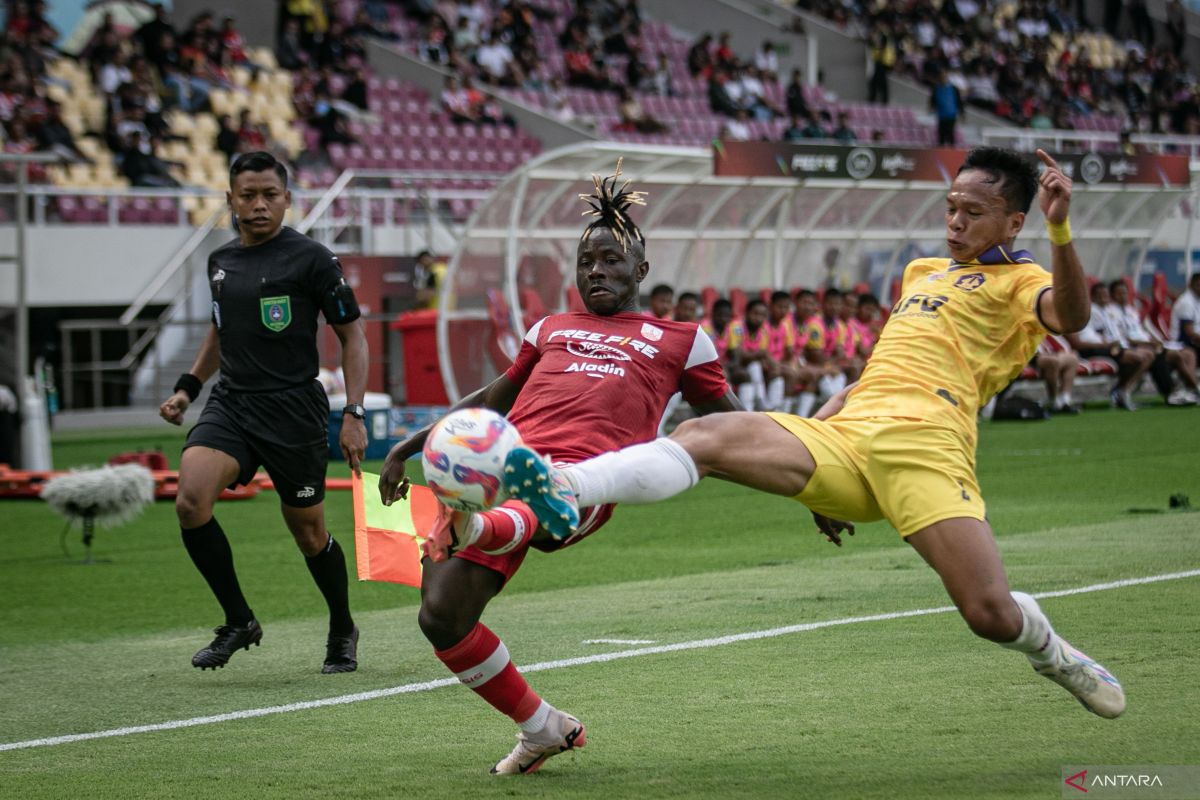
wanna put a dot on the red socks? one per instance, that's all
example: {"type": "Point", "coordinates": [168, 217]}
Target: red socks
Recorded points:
{"type": "Point", "coordinates": [482, 664]}
{"type": "Point", "coordinates": [506, 528]}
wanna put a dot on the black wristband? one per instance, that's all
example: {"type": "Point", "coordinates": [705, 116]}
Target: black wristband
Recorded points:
{"type": "Point", "coordinates": [190, 384]}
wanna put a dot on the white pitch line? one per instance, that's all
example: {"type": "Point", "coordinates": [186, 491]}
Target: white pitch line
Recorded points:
{"type": "Point", "coordinates": [598, 658]}
{"type": "Point", "coordinates": [620, 641]}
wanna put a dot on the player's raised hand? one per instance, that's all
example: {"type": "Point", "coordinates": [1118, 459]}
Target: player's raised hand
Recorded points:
{"type": "Point", "coordinates": [173, 408]}
{"type": "Point", "coordinates": [393, 484]}
{"type": "Point", "coordinates": [1055, 195]}
{"type": "Point", "coordinates": [832, 528]}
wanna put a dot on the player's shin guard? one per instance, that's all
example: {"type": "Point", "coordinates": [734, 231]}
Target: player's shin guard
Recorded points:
{"type": "Point", "coordinates": [505, 528]}
{"type": "Point", "coordinates": [481, 663]}
{"type": "Point", "coordinates": [1037, 639]}
{"type": "Point", "coordinates": [643, 473]}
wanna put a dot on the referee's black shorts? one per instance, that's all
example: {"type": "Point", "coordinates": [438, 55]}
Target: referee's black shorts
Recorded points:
{"type": "Point", "coordinates": [285, 432]}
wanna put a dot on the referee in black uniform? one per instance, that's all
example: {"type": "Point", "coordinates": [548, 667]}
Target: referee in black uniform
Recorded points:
{"type": "Point", "coordinates": [268, 287]}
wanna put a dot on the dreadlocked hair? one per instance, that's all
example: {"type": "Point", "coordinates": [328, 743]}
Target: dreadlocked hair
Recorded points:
{"type": "Point", "coordinates": [610, 206]}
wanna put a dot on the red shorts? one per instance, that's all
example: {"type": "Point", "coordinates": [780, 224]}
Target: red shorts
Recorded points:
{"type": "Point", "coordinates": [590, 520]}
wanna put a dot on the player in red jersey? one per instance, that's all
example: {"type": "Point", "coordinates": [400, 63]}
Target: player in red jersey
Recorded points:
{"type": "Point", "coordinates": [583, 383]}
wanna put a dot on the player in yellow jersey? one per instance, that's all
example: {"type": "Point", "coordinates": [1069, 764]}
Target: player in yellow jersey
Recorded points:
{"type": "Point", "coordinates": [899, 444]}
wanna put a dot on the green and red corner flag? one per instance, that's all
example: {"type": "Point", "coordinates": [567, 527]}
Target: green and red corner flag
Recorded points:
{"type": "Point", "coordinates": [387, 539]}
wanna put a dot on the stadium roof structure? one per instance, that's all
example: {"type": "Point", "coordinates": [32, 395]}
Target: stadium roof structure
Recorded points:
{"type": "Point", "coordinates": [515, 260]}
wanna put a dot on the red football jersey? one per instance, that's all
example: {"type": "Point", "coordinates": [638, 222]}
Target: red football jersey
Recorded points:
{"type": "Point", "coordinates": [591, 384]}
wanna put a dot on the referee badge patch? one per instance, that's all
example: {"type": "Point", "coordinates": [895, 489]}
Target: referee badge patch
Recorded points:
{"type": "Point", "coordinates": [276, 312]}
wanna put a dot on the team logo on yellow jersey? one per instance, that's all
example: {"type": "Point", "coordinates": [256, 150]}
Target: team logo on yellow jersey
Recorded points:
{"type": "Point", "coordinates": [969, 283]}
{"type": "Point", "coordinates": [925, 305]}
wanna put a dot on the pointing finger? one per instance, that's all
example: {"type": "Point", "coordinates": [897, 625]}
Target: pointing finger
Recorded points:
{"type": "Point", "coordinates": [1046, 159]}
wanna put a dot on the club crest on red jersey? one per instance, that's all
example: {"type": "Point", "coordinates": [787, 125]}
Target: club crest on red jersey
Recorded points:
{"type": "Point", "coordinates": [652, 332]}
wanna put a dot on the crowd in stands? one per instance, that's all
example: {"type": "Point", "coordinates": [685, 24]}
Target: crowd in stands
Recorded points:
{"type": "Point", "coordinates": [788, 351]}
{"type": "Point", "coordinates": [30, 121]}
{"type": "Point", "coordinates": [1036, 62]}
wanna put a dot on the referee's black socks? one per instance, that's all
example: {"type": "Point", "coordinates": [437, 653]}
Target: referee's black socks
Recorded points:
{"type": "Point", "coordinates": [210, 552]}
{"type": "Point", "coordinates": [328, 569]}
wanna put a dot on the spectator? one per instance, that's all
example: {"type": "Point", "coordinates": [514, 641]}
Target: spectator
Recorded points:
{"type": "Point", "coordinates": [1101, 339]}
{"type": "Point", "coordinates": [662, 301]}
{"type": "Point", "coordinates": [794, 132]}
{"type": "Point", "coordinates": [865, 325]}
{"type": "Point", "coordinates": [726, 333]}
{"type": "Point", "coordinates": [329, 123]}
{"type": "Point", "coordinates": [1185, 316]}
{"type": "Point", "coordinates": [227, 137]}
{"type": "Point", "coordinates": [883, 58]}
{"type": "Point", "coordinates": [720, 100]}
{"type": "Point", "coordinates": [687, 307]}
{"type": "Point", "coordinates": [55, 136]}
{"type": "Point", "coordinates": [812, 129]}
{"type": "Point", "coordinates": [289, 49]}
{"type": "Point", "coordinates": [723, 56]}
{"type": "Point", "coordinates": [151, 35]}
{"type": "Point", "coordinates": [1182, 361]}
{"type": "Point", "coordinates": [661, 82]}
{"type": "Point", "coordinates": [946, 104]}
{"type": "Point", "coordinates": [485, 108]}
{"type": "Point", "coordinates": [797, 104]}
{"type": "Point", "coordinates": [356, 90]}
{"type": "Point", "coordinates": [456, 102]}
{"type": "Point", "coordinates": [699, 57]}
{"type": "Point", "coordinates": [496, 62]}
{"type": "Point", "coordinates": [634, 117]}
{"type": "Point", "coordinates": [806, 308]}
{"type": "Point", "coordinates": [843, 133]}
{"type": "Point", "coordinates": [428, 274]}
{"type": "Point", "coordinates": [1057, 365]}
{"type": "Point", "coordinates": [583, 71]}
{"type": "Point", "coordinates": [753, 96]}
{"type": "Point", "coordinates": [251, 136]}
{"type": "Point", "coordinates": [825, 339]}
{"type": "Point", "coordinates": [142, 166]}
{"type": "Point", "coordinates": [766, 61]}
{"type": "Point", "coordinates": [737, 129]}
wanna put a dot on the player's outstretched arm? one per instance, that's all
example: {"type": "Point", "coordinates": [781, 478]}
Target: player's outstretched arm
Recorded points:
{"type": "Point", "coordinates": [727, 402]}
{"type": "Point", "coordinates": [208, 359]}
{"type": "Point", "coordinates": [499, 395]}
{"type": "Point", "coordinates": [1066, 307]}
{"type": "Point", "coordinates": [353, 436]}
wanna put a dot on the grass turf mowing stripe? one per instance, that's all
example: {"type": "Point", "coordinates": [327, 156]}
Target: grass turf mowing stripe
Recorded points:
{"type": "Point", "coordinates": [597, 658]}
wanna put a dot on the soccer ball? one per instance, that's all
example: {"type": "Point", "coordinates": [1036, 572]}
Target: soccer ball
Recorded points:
{"type": "Point", "coordinates": [464, 458]}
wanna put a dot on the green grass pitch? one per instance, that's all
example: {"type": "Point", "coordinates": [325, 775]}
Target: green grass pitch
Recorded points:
{"type": "Point", "coordinates": [910, 707]}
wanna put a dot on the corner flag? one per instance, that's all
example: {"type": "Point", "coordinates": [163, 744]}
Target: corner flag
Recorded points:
{"type": "Point", "coordinates": [387, 539]}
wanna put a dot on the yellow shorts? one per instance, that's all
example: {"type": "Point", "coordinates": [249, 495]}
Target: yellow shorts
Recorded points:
{"type": "Point", "coordinates": [906, 471]}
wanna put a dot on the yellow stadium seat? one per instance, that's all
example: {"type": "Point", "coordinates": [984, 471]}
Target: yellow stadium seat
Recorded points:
{"type": "Point", "coordinates": [263, 57]}
{"type": "Point", "coordinates": [240, 75]}
{"type": "Point", "coordinates": [80, 175]}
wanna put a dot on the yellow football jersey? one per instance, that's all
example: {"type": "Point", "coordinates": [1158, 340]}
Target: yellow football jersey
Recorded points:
{"type": "Point", "coordinates": [959, 333]}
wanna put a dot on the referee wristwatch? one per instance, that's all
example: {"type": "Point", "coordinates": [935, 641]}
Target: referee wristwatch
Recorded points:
{"type": "Point", "coordinates": [355, 410]}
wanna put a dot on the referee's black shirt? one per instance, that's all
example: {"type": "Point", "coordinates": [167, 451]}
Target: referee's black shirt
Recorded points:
{"type": "Point", "coordinates": [265, 302]}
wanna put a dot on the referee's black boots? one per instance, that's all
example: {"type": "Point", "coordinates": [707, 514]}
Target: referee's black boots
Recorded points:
{"type": "Point", "coordinates": [229, 639]}
{"type": "Point", "coordinates": [341, 653]}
